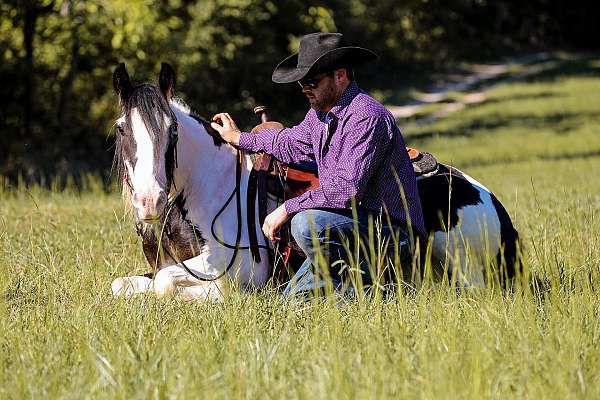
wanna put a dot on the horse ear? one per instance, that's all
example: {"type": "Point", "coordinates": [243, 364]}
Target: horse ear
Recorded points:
{"type": "Point", "coordinates": [122, 83]}
{"type": "Point", "coordinates": [166, 80]}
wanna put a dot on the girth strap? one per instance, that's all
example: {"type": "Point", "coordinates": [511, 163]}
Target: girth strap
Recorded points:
{"type": "Point", "coordinates": [263, 191]}
{"type": "Point", "coordinates": [251, 214]}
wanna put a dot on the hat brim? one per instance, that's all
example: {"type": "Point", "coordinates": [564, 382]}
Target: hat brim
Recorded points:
{"type": "Point", "coordinates": [288, 71]}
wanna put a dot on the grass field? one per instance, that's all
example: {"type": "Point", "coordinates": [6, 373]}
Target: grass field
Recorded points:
{"type": "Point", "coordinates": [535, 143]}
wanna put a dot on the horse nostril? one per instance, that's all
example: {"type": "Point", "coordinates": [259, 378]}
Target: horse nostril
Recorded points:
{"type": "Point", "coordinates": [150, 205]}
{"type": "Point", "coordinates": [141, 201]}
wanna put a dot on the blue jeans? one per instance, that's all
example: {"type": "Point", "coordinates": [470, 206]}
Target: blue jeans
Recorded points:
{"type": "Point", "coordinates": [329, 239]}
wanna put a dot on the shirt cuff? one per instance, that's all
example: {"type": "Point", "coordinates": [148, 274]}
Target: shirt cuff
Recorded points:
{"type": "Point", "coordinates": [292, 206]}
{"type": "Point", "coordinates": [247, 141]}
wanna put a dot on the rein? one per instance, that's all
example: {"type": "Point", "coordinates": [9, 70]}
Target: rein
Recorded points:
{"type": "Point", "coordinates": [236, 193]}
{"type": "Point", "coordinates": [171, 164]}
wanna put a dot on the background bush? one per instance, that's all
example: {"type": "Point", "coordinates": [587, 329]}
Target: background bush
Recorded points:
{"type": "Point", "coordinates": [57, 103]}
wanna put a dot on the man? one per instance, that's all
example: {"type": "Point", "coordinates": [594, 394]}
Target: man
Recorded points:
{"type": "Point", "coordinates": [359, 152]}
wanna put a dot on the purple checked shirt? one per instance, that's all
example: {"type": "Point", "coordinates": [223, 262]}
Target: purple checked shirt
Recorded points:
{"type": "Point", "coordinates": [360, 154]}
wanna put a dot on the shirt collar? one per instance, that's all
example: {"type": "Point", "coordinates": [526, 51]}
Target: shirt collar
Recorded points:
{"type": "Point", "coordinates": [339, 109]}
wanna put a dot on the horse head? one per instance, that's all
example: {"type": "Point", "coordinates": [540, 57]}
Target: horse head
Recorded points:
{"type": "Point", "coordinates": [146, 141]}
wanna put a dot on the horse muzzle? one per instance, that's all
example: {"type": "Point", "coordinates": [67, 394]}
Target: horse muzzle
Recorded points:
{"type": "Point", "coordinates": [150, 207]}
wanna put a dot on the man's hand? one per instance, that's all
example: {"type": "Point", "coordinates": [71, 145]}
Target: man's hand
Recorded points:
{"type": "Point", "coordinates": [274, 221]}
{"type": "Point", "coordinates": [227, 128]}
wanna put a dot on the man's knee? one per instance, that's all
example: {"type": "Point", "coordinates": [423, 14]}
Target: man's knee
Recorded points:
{"type": "Point", "coordinates": [303, 227]}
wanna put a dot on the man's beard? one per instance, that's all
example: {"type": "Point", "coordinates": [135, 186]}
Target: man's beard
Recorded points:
{"type": "Point", "coordinates": [326, 101]}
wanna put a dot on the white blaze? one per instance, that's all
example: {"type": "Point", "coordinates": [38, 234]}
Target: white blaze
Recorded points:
{"type": "Point", "coordinates": [144, 181]}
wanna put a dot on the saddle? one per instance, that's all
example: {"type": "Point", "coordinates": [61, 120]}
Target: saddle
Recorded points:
{"type": "Point", "coordinates": [270, 177]}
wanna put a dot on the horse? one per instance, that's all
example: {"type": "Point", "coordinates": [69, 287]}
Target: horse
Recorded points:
{"type": "Point", "coordinates": [182, 178]}
{"type": "Point", "coordinates": [472, 236]}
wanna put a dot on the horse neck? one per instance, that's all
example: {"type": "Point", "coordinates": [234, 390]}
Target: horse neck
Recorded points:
{"type": "Point", "coordinates": [205, 172]}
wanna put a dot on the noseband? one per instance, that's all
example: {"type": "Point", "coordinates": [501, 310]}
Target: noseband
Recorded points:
{"type": "Point", "coordinates": [170, 165]}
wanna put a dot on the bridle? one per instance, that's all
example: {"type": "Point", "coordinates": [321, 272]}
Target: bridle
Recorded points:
{"type": "Point", "coordinates": [170, 166]}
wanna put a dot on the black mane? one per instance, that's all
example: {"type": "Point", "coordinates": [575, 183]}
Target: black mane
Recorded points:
{"type": "Point", "coordinates": [148, 99]}
{"type": "Point", "coordinates": [211, 131]}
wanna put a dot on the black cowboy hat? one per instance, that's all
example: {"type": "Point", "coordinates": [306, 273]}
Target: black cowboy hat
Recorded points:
{"type": "Point", "coordinates": [320, 52]}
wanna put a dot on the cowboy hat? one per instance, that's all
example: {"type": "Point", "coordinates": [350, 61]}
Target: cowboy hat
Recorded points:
{"type": "Point", "coordinates": [320, 52]}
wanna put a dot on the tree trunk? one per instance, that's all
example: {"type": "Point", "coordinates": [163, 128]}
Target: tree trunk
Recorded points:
{"type": "Point", "coordinates": [31, 15]}
{"type": "Point", "coordinates": [67, 84]}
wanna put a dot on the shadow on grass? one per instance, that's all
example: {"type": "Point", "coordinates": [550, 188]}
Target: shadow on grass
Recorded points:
{"type": "Point", "coordinates": [569, 66]}
{"type": "Point", "coordinates": [518, 97]}
{"type": "Point", "coordinates": [559, 123]}
{"type": "Point", "coordinates": [398, 84]}
{"type": "Point", "coordinates": [558, 66]}
{"type": "Point", "coordinates": [550, 157]}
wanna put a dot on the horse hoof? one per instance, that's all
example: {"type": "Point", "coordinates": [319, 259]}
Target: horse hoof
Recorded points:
{"type": "Point", "coordinates": [121, 287]}
{"type": "Point", "coordinates": [129, 286]}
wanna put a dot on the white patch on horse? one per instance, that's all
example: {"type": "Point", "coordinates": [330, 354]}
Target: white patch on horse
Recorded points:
{"type": "Point", "coordinates": [147, 178]}
{"type": "Point", "coordinates": [476, 183]}
{"type": "Point", "coordinates": [473, 243]}
{"type": "Point", "coordinates": [208, 172]}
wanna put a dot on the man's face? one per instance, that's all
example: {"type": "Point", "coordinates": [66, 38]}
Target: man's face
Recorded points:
{"type": "Point", "coordinates": [321, 91]}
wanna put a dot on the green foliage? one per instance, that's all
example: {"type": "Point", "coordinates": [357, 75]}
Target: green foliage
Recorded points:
{"type": "Point", "coordinates": [56, 100]}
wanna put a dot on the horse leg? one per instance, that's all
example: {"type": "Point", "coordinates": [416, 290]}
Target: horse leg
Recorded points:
{"type": "Point", "coordinates": [130, 285]}
{"type": "Point", "coordinates": [177, 280]}
{"type": "Point", "coordinates": [212, 291]}
{"type": "Point", "coordinates": [454, 252]}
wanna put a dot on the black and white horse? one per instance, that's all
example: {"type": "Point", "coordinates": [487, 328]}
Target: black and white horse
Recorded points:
{"type": "Point", "coordinates": [182, 179]}
{"type": "Point", "coordinates": [472, 236]}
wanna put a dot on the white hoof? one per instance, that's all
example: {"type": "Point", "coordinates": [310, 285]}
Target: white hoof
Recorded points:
{"type": "Point", "coordinates": [210, 292]}
{"type": "Point", "coordinates": [130, 285]}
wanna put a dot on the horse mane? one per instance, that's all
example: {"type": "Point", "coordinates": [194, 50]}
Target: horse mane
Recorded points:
{"type": "Point", "coordinates": [148, 99]}
{"type": "Point", "coordinates": [182, 106]}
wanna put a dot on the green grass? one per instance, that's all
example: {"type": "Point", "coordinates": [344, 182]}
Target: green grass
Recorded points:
{"type": "Point", "coordinates": [536, 144]}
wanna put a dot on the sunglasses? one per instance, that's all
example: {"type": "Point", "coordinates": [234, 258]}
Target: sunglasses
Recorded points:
{"type": "Point", "coordinates": [312, 83]}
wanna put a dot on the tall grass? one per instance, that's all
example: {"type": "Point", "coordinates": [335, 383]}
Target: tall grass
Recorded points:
{"type": "Point", "coordinates": [63, 334]}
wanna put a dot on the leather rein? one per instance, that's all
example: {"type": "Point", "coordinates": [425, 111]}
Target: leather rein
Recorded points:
{"type": "Point", "coordinates": [171, 165]}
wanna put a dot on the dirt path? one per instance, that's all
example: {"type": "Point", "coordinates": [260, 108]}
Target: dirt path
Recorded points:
{"type": "Point", "coordinates": [471, 89]}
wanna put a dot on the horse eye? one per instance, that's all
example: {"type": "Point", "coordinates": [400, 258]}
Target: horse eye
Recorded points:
{"type": "Point", "coordinates": [121, 130]}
